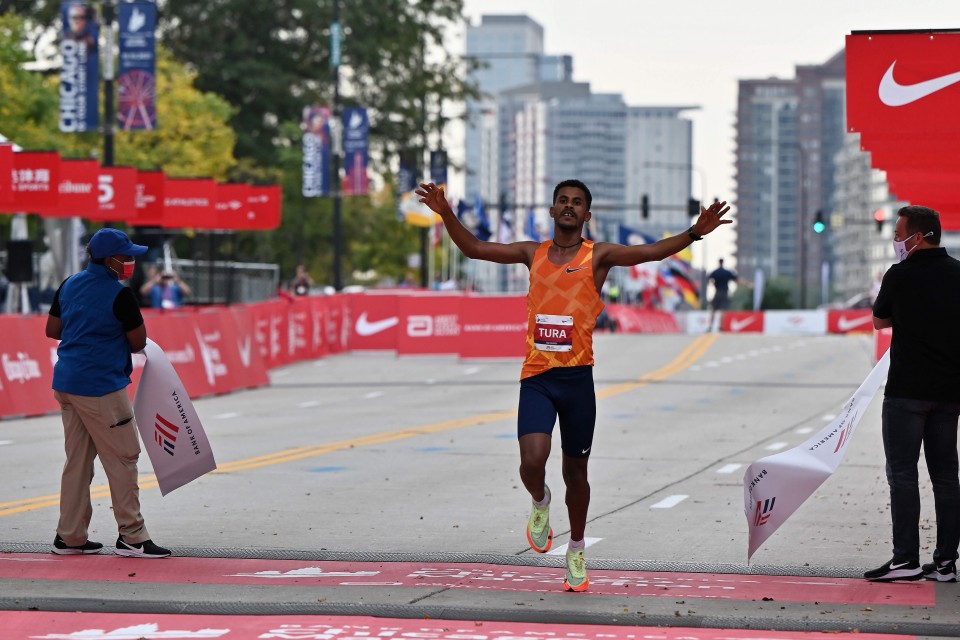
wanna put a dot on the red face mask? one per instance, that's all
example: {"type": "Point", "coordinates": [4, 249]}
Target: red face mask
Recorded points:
{"type": "Point", "coordinates": [125, 270]}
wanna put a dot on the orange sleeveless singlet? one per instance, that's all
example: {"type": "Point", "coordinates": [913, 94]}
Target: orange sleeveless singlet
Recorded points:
{"type": "Point", "coordinates": [562, 309]}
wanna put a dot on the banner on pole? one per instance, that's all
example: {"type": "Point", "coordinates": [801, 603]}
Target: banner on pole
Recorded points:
{"type": "Point", "coordinates": [316, 151]}
{"type": "Point", "coordinates": [80, 74]}
{"type": "Point", "coordinates": [774, 487]}
{"type": "Point", "coordinates": [356, 134]}
{"type": "Point", "coordinates": [169, 426]}
{"type": "Point", "coordinates": [438, 167]}
{"type": "Point", "coordinates": [137, 78]}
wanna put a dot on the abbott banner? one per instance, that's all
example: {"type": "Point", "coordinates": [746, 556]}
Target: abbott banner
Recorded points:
{"type": "Point", "coordinates": [774, 487]}
{"type": "Point", "coordinates": [169, 426]}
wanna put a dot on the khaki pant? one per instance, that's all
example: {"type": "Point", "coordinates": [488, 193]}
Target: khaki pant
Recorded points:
{"type": "Point", "coordinates": [99, 426]}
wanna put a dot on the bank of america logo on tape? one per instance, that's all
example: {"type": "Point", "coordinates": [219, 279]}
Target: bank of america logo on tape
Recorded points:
{"type": "Point", "coordinates": [762, 514]}
{"type": "Point", "coordinates": [165, 433]}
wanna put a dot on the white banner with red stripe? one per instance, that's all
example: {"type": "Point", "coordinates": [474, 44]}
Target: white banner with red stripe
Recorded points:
{"type": "Point", "coordinates": [169, 425]}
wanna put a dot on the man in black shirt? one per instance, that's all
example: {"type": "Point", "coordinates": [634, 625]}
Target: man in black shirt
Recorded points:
{"type": "Point", "coordinates": [921, 405]}
{"type": "Point", "coordinates": [721, 278]}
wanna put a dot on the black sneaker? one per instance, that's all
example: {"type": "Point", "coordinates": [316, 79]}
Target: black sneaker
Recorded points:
{"type": "Point", "coordinates": [62, 548]}
{"type": "Point", "coordinates": [945, 572]}
{"type": "Point", "coordinates": [145, 549]}
{"type": "Point", "coordinates": [896, 570]}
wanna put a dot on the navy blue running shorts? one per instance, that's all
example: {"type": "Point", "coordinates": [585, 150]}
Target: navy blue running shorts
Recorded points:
{"type": "Point", "coordinates": [566, 392]}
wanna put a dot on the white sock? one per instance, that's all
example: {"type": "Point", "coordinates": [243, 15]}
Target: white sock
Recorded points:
{"type": "Point", "coordinates": [546, 499]}
{"type": "Point", "coordinates": [576, 545]}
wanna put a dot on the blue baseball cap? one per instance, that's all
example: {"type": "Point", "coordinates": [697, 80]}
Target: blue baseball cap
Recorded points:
{"type": "Point", "coordinates": [113, 242]}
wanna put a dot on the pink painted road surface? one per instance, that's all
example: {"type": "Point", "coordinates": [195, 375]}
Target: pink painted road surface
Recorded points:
{"type": "Point", "coordinates": [20, 625]}
{"type": "Point", "coordinates": [646, 584]}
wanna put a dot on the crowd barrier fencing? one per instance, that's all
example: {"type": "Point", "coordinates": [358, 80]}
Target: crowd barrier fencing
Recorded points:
{"type": "Point", "coordinates": [218, 349]}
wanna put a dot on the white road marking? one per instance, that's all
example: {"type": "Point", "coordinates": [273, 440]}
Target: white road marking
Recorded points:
{"type": "Point", "coordinates": [3, 442]}
{"type": "Point", "coordinates": [430, 381]}
{"type": "Point", "coordinates": [669, 502]}
{"type": "Point", "coordinates": [471, 371]}
{"type": "Point", "coordinates": [226, 416]}
{"type": "Point", "coordinates": [726, 359]}
{"type": "Point", "coordinates": [804, 430]}
{"type": "Point", "coordinates": [373, 394]}
{"type": "Point", "coordinates": [695, 367]}
{"type": "Point", "coordinates": [562, 549]}
{"type": "Point", "coordinates": [309, 403]}
{"type": "Point", "coordinates": [827, 417]}
{"type": "Point", "coordinates": [776, 446]}
{"type": "Point", "coordinates": [729, 468]}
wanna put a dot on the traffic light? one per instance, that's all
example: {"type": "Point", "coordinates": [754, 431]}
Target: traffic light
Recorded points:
{"type": "Point", "coordinates": [693, 207]}
{"type": "Point", "coordinates": [644, 207]}
{"type": "Point", "coordinates": [818, 224]}
{"type": "Point", "coordinates": [879, 215]}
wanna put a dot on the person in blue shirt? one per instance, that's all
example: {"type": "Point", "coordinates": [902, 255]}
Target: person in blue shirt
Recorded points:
{"type": "Point", "coordinates": [721, 279]}
{"type": "Point", "coordinates": [98, 323]}
{"type": "Point", "coordinates": [165, 289]}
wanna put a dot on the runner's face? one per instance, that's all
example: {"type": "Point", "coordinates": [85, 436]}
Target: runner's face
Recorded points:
{"type": "Point", "coordinates": [569, 210]}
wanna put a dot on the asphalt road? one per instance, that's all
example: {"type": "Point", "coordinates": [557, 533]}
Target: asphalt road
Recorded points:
{"type": "Point", "coordinates": [376, 463]}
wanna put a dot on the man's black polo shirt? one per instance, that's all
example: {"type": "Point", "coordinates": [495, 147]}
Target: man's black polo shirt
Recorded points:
{"type": "Point", "coordinates": [922, 296]}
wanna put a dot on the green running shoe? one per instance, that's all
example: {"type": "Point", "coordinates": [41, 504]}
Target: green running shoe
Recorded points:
{"type": "Point", "coordinates": [576, 579]}
{"type": "Point", "coordinates": [539, 533]}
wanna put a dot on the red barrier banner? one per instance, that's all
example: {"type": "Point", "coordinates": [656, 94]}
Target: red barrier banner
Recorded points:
{"type": "Point", "coordinates": [249, 354]}
{"type": "Point", "coordinates": [493, 326]}
{"type": "Point", "coordinates": [376, 322]}
{"type": "Point", "coordinates": [76, 188]}
{"type": "Point", "coordinates": [35, 177]}
{"type": "Point", "coordinates": [27, 357]}
{"type": "Point", "coordinates": [742, 321]}
{"type": "Point", "coordinates": [269, 331]}
{"type": "Point", "coordinates": [233, 205]}
{"type": "Point", "coordinates": [633, 319]}
{"type": "Point", "coordinates": [850, 320]}
{"type": "Point", "coordinates": [318, 326]}
{"type": "Point", "coordinates": [149, 202]}
{"type": "Point", "coordinates": [6, 175]}
{"type": "Point", "coordinates": [882, 339]}
{"type": "Point", "coordinates": [428, 324]}
{"type": "Point", "coordinates": [299, 329]}
{"type": "Point", "coordinates": [190, 202]}
{"type": "Point", "coordinates": [266, 204]}
{"type": "Point", "coordinates": [117, 199]}
{"type": "Point", "coordinates": [176, 334]}
{"type": "Point", "coordinates": [219, 342]}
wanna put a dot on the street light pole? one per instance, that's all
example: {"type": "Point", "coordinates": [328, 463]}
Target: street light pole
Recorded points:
{"type": "Point", "coordinates": [336, 186]}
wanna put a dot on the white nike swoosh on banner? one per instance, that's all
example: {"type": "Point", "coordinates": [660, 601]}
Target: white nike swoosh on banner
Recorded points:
{"type": "Point", "coordinates": [367, 328]}
{"type": "Point", "coordinates": [894, 94]}
{"type": "Point", "coordinates": [843, 324]}
{"type": "Point", "coordinates": [737, 325]}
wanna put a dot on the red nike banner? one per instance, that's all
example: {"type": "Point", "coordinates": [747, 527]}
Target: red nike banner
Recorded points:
{"type": "Point", "coordinates": [118, 194]}
{"type": "Point", "coordinates": [35, 178]}
{"type": "Point", "coordinates": [265, 206]}
{"type": "Point", "coordinates": [150, 188]}
{"type": "Point", "coordinates": [850, 321]}
{"type": "Point", "coordinates": [76, 188]}
{"type": "Point", "coordinates": [190, 202]}
{"type": "Point", "coordinates": [903, 82]}
{"type": "Point", "coordinates": [903, 90]}
{"type": "Point", "coordinates": [6, 175]}
{"type": "Point", "coordinates": [233, 205]}
{"type": "Point", "coordinates": [742, 321]}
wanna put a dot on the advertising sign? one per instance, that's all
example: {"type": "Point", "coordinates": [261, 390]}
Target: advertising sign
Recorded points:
{"type": "Point", "coordinates": [316, 151]}
{"type": "Point", "coordinates": [356, 133]}
{"type": "Point", "coordinates": [80, 74]}
{"type": "Point", "coordinates": [137, 79]}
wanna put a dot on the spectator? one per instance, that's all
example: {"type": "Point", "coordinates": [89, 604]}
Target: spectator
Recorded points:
{"type": "Point", "coordinates": [164, 289]}
{"type": "Point", "coordinates": [301, 283]}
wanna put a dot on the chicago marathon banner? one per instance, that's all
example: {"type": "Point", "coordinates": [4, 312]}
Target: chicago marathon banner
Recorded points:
{"type": "Point", "coordinates": [80, 74]}
{"type": "Point", "coordinates": [774, 487]}
{"type": "Point", "coordinates": [356, 133]}
{"type": "Point", "coordinates": [137, 79]}
{"type": "Point", "coordinates": [316, 151]}
{"type": "Point", "coordinates": [169, 426]}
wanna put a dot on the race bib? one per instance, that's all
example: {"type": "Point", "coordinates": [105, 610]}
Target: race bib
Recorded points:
{"type": "Point", "coordinates": [553, 333]}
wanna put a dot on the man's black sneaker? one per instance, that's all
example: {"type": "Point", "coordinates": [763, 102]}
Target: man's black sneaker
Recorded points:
{"type": "Point", "coordinates": [896, 570]}
{"type": "Point", "coordinates": [946, 571]}
{"type": "Point", "coordinates": [145, 549]}
{"type": "Point", "coordinates": [62, 548]}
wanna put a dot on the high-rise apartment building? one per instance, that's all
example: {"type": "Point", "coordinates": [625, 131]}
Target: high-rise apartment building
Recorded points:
{"type": "Point", "coordinates": [788, 133]}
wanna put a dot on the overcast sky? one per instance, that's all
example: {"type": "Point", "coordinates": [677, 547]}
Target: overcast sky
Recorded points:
{"type": "Point", "coordinates": [693, 52]}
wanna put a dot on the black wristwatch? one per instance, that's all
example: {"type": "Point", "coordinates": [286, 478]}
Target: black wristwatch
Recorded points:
{"type": "Point", "coordinates": [692, 235]}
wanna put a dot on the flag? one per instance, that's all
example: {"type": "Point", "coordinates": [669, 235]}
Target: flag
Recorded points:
{"type": "Point", "coordinates": [169, 426]}
{"type": "Point", "coordinates": [531, 228]}
{"type": "Point", "coordinates": [137, 72]}
{"type": "Point", "coordinates": [483, 232]}
{"type": "Point", "coordinates": [774, 487]}
{"type": "Point", "coordinates": [630, 236]}
{"type": "Point", "coordinates": [80, 72]}
{"type": "Point", "coordinates": [505, 227]}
